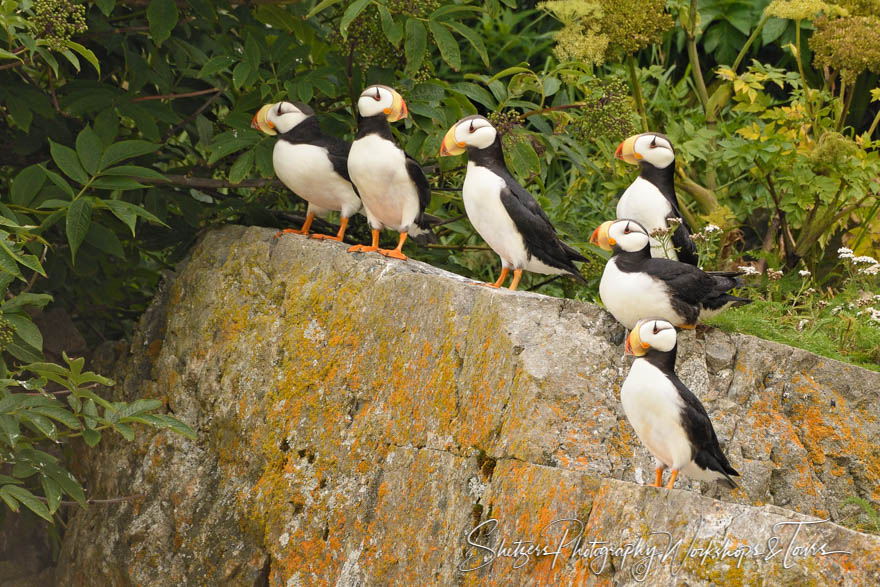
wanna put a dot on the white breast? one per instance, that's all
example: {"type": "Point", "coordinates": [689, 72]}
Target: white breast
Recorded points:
{"type": "Point", "coordinates": [643, 202]}
{"type": "Point", "coordinates": [308, 172]}
{"type": "Point", "coordinates": [653, 407]}
{"type": "Point", "coordinates": [633, 296]}
{"type": "Point", "coordinates": [481, 193]}
{"type": "Point", "coordinates": [378, 169]}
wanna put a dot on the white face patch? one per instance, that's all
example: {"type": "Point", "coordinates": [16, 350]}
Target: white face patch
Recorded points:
{"type": "Point", "coordinates": [475, 132]}
{"type": "Point", "coordinates": [285, 116]}
{"type": "Point", "coordinates": [660, 334]}
{"type": "Point", "coordinates": [654, 149]}
{"type": "Point", "coordinates": [374, 100]}
{"type": "Point", "coordinates": [629, 235]}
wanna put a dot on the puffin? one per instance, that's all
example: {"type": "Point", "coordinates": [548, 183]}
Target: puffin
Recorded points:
{"type": "Point", "coordinates": [392, 185]}
{"type": "Point", "coordinates": [666, 416]}
{"type": "Point", "coordinates": [651, 198]}
{"type": "Point", "coordinates": [310, 163]}
{"type": "Point", "coordinates": [502, 211]}
{"type": "Point", "coordinates": [635, 285]}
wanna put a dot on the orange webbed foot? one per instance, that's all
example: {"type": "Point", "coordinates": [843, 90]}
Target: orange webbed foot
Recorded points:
{"type": "Point", "coordinates": [362, 249]}
{"type": "Point", "coordinates": [326, 237]}
{"type": "Point", "coordinates": [393, 253]}
{"type": "Point", "coordinates": [672, 479]}
{"type": "Point", "coordinates": [289, 231]}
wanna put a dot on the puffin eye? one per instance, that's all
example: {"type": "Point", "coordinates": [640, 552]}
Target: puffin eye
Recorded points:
{"type": "Point", "coordinates": [626, 229]}
{"type": "Point", "coordinates": [653, 143]}
{"type": "Point", "coordinates": [656, 330]}
{"type": "Point", "coordinates": [378, 96]}
{"type": "Point", "coordinates": [472, 129]}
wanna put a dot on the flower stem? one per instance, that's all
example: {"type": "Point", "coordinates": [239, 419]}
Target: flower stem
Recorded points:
{"type": "Point", "coordinates": [637, 91]}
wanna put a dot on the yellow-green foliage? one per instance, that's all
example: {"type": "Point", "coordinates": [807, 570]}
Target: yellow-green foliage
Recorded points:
{"type": "Point", "coordinates": [595, 32]}
{"type": "Point", "coordinates": [803, 9]}
{"type": "Point", "coordinates": [849, 45]}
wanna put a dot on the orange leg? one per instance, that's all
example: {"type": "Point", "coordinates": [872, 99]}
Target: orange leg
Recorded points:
{"type": "Point", "coordinates": [396, 252]}
{"type": "Point", "coordinates": [517, 274]}
{"type": "Point", "coordinates": [305, 227]}
{"type": "Point", "coordinates": [658, 477]}
{"type": "Point", "coordinates": [687, 326]}
{"type": "Point", "coordinates": [501, 278]}
{"type": "Point", "coordinates": [343, 224]}
{"type": "Point", "coordinates": [674, 474]}
{"type": "Point", "coordinates": [365, 248]}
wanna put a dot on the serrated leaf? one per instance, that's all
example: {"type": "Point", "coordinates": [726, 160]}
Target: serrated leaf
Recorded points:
{"type": "Point", "coordinates": [447, 44]}
{"type": "Point", "coordinates": [128, 213]}
{"type": "Point", "coordinates": [67, 482]}
{"type": "Point", "coordinates": [125, 430]}
{"type": "Point", "coordinates": [27, 184]}
{"type": "Point", "coordinates": [58, 181]}
{"type": "Point", "coordinates": [67, 161]}
{"type": "Point", "coordinates": [41, 423]}
{"type": "Point", "coordinates": [415, 44]}
{"type": "Point", "coordinates": [126, 150]}
{"type": "Point", "coordinates": [240, 74]}
{"type": "Point", "coordinates": [524, 159]}
{"type": "Point", "coordinates": [105, 240]}
{"type": "Point", "coordinates": [177, 426]}
{"type": "Point", "coordinates": [242, 167]}
{"type": "Point", "coordinates": [79, 216]}
{"type": "Point", "coordinates": [473, 38]}
{"type": "Point", "coordinates": [29, 500]}
{"type": "Point", "coordinates": [351, 13]}
{"type": "Point", "coordinates": [162, 16]}
{"type": "Point", "coordinates": [86, 53]}
{"type": "Point", "coordinates": [60, 415]}
{"type": "Point", "coordinates": [89, 149]}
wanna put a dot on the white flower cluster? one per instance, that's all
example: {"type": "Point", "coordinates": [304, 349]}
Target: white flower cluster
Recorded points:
{"type": "Point", "coordinates": [875, 314]}
{"type": "Point", "coordinates": [710, 228]}
{"type": "Point", "coordinates": [774, 274]}
{"type": "Point", "coordinates": [844, 253]}
{"type": "Point", "coordinates": [748, 270]}
{"type": "Point", "coordinates": [865, 259]}
{"type": "Point", "coordinates": [804, 273]}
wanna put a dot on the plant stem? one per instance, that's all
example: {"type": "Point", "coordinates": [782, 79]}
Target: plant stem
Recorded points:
{"type": "Point", "coordinates": [637, 91]}
{"type": "Point", "coordinates": [804, 86]}
{"type": "Point", "coordinates": [749, 41]}
{"type": "Point", "coordinates": [846, 104]}
{"type": "Point", "coordinates": [691, 33]}
{"type": "Point", "coordinates": [874, 124]}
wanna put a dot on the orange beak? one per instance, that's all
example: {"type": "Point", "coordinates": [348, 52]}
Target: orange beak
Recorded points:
{"type": "Point", "coordinates": [634, 345]}
{"type": "Point", "coordinates": [626, 151]}
{"type": "Point", "coordinates": [600, 236]}
{"type": "Point", "coordinates": [261, 121]}
{"type": "Point", "coordinates": [450, 146]}
{"type": "Point", "coordinates": [398, 109]}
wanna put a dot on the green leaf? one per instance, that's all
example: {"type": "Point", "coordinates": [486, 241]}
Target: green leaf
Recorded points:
{"type": "Point", "coordinates": [9, 262]}
{"type": "Point", "coordinates": [447, 45]}
{"type": "Point", "coordinates": [27, 184]}
{"type": "Point", "coordinates": [126, 150]}
{"type": "Point", "coordinates": [773, 29]}
{"type": "Point", "coordinates": [138, 407]}
{"type": "Point", "coordinates": [524, 159]}
{"type": "Point", "coordinates": [79, 216]}
{"type": "Point", "coordinates": [106, 6]}
{"type": "Point", "coordinates": [9, 431]}
{"type": "Point", "coordinates": [177, 426]}
{"type": "Point", "coordinates": [89, 149]}
{"type": "Point", "coordinates": [134, 171]}
{"type": "Point", "coordinates": [473, 38]}
{"type": "Point", "coordinates": [393, 29]}
{"type": "Point", "coordinates": [162, 16]}
{"type": "Point", "coordinates": [25, 299]}
{"type": "Point", "coordinates": [351, 13]}
{"type": "Point", "coordinates": [61, 415]}
{"type": "Point", "coordinates": [476, 93]}
{"type": "Point", "coordinates": [323, 5]}
{"type": "Point", "coordinates": [117, 183]}
{"type": "Point", "coordinates": [26, 329]}
{"type": "Point", "coordinates": [92, 437]}
{"type": "Point", "coordinates": [128, 213]}
{"type": "Point", "coordinates": [67, 482]}
{"type": "Point", "coordinates": [242, 167]}
{"type": "Point", "coordinates": [41, 423]}
{"type": "Point", "coordinates": [240, 74]}
{"type": "Point", "coordinates": [252, 51]}
{"type": "Point", "coordinates": [70, 56]}
{"type": "Point", "coordinates": [86, 53]}
{"type": "Point", "coordinates": [29, 500]}
{"type": "Point", "coordinates": [105, 240]}
{"type": "Point", "coordinates": [415, 44]}
{"type": "Point", "coordinates": [9, 55]}
{"type": "Point", "coordinates": [67, 161]}
{"type": "Point", "coordinates": [215, 65]}
{"type": "Point", "coordinates": [58, 181]}
{"type": "Point", "coordinates": [125, 430]}
{"type": "Point", "coordinates": [52, 491]}
{"type": "Point", "coordinates": [7, 497]}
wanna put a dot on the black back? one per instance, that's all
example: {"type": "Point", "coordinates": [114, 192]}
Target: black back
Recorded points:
{"type": "Point", "coordinates": [695, 420]}
{"type": "Point", "coordinates": [664, 179]}
{"type": "Point", "coordinates": [529, 218]}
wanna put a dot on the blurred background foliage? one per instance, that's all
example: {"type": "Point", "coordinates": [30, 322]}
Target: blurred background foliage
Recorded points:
{"type": "Point", "coordinates": [127, 136]}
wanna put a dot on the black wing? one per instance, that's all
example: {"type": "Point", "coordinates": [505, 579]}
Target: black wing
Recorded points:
{"type": "Point", "coordinates": [418, 177]}
{"type": "Point", "coordinates": [681, 240]}
{"type": "Point", "coordinates": [537, 230]}
{"type": "Point", "coordinates": [701, 434]}
{"type": "Point", "coordinates": [686, 282]}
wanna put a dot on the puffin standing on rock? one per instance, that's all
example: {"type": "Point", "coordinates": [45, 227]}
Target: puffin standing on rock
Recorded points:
{"type": "Point", "coordinates": [634, 285]}
{"type": "Point", "coordinates": [666, 416]}
{"type": "Point", "coordinates": [310, 163]}
{"type": "Point", "coordinates": [651, 199]}
{"type": "Point", "coordinates": [393, 187]}
{"type": "Point", "coordinates": [502, 211]}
